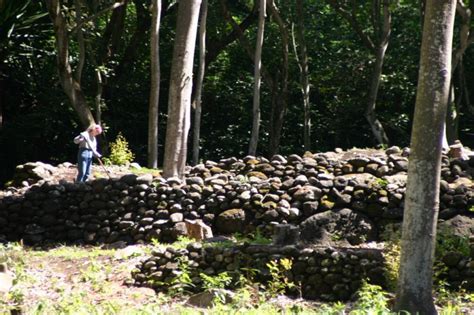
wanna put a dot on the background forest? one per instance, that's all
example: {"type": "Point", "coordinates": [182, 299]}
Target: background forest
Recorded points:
{"type": "Point", "coordinates": [37, 121]}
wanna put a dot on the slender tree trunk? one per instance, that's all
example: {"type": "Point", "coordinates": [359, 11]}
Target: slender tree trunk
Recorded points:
{"type": "Point", "coordinates": [80, 41]}
{"type": "Point", "coordinates": [98, 96]}
{"type": "Point", "coordinates": [375, 124]}
{"type": "Point", "coordinates": [279, 112]}
{"type": "Point", "coordinates": [466, 38]}
{"type": "Point", "coordinates": [199, 82]}
{"type": "Point", "coordinates": [155, 85]}
{"type": "Point", "coordinates": [70, 85]}
{"type": "Point", "coordinates": [248, 47]}
{"type": "Point", "coordinates": [378, 45]}
{"type": "Point", "coordinates": [179, 100]}
{"type": "Point", "coordinates": [383, 36]}
{"type": "Point", "coordinates": [455, 104]}
{"type": "Point", "coordinates": [303, 66]}
{"type": "Point", "coordinates": [414, 293]}
{"type": "Point", "coordinates": [257, 80]}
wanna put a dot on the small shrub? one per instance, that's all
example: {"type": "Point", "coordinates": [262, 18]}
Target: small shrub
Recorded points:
{"type": "Point", "coordinates": [182, 283]}
{"type": "Point", "coordinates": [120, 154]}
{"type": "Point", "coordinates": [279, 282]}
{"type": "Point", "coordinates": [215, 282]}
{"type": "Point", "coordinates": [379, 183]}
{"type": "Point", "coordinates": [391, 254]}
{"type": "Point", "coordinates": [371, 300]}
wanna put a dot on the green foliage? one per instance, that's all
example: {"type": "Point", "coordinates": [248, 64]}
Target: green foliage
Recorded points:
{"type": "Point", "coordinates": [182, 282]}
{"type": "Point", "coordinates": [256, 238]}
{"type": "Point", "coordinates": [332, 309]}
{"type": "Point", "coordinates": [279, 282]}
{"type": "Point", "coordinates": [219, 281]}
{"type": "Point", "coordinates": [145, 170]}
{"type": "Point", "coordinates": [216, 283]}
{"type": "Point", "coordinates": [371, 299]}
{"type": "Point", "coordinates": [120, 153]}
{"type": "Point", "coordinates": [379, 183]}
{"type": "Point", "coordinates": [447, 241]}
{"type": "Point", "coordinates": [391, 255]}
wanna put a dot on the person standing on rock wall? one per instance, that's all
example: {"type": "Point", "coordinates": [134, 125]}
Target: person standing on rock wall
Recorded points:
{"type": "Point", "coordinates": [87, 150]}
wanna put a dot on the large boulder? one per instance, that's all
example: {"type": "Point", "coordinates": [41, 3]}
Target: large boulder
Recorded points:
{"type": "Point", "coordinates": [461, 226]}
{"type": "Point", "coordinates": [32, 172]}
{"type": "Point", "coordinates": [337, 227]}
{"type": "Point", "coordinates": [231, 221]}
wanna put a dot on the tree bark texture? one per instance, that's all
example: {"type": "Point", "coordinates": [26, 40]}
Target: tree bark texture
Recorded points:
{"type": "Point", "coordinates": [304, 77]}
{"type": "Point", "coordinates": [179, 100]}
{"type": "Point", "coordinates": [257, 80]}
{"type": "Point", "coordinates": [239, 30]}
{"type": "Point", "coordinates": [199, 81]}
{"type": "Point", "coordinates": [70, 85]}
{"type": "Point", "coordinates": [414, 293]}
{"type": "Point", "coordinates": [279, 108]}
{"type": "Point", "coordinates": [155, 85]}
{"type": "Point", "coordinates": [382, 37]}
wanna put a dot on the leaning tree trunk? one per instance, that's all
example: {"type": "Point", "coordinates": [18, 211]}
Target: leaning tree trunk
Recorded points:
{"type": "Point", "coordinates": [414, 293]}
{"type": "Point", "coordinates": [70, 85]}
{"type": "Point", "coordinates": [303, 65]}
{"type": "Point", "coordinates": [155, 85]}
{"type": "Point", "coordinates": [378, 45]}
{"type": "Point", "coordinates": [384, 34]}
{"type": "Point", "coordinates": [200, 79]}
{"type": "Point", "coordinates": [179, 99]}
{"type": "Point", "coordinates": [257, 80]}
{"type": "Point", "coordinates": [377, 128]}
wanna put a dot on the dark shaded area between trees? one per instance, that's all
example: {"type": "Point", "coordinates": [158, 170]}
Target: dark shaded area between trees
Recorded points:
{"type": "Point", "coordinates": [37, 121]}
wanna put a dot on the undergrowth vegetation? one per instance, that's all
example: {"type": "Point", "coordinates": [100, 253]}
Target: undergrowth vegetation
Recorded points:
{"type": "Point", "coordinates": [90, 280]}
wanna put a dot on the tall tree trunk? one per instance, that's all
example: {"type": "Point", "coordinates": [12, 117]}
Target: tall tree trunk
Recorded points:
{"type": "Point", "coordinates": [257, 80]}
{"type": "Point", "coordinates": [414, 293]}
{"type": "Point", "coordinates": [70, 85]}
{"type": "Point", "coordinates": [382, 36]}
{"type": "Point", "coordinates": [304, 78]}
{"type": "Point", "coordinates": [248, 47]}
{"type": "Point", "coordinates": [375, 124]}
{"type": "Point", "coordinates": [466, 38]}
{"type": "Point", "coordinates": [80, 41]}
{"type": "Point", "coordinates": [199, 81]}
{"type": "Point", "coordinates": [279, 112]}
{"type": "Point", "coordinates": [155, 85]}
{"type": "Point", "coordinates": [179, 100]}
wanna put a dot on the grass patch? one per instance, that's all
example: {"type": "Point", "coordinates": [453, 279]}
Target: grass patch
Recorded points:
{"type": "Point", "coordinates": [89, 280]}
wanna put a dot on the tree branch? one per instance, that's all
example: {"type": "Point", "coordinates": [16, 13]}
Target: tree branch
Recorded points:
{"type": "Point", "coordinates": [351, 18]}
{"type": "Point", "coordinates": [94, 16]}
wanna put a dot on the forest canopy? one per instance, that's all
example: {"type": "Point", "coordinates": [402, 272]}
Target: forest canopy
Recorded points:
{"type": "Point", "coordinates": [109, 53]}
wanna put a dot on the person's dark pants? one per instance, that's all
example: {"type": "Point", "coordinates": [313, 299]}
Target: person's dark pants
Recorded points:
{"type": "Point", "coordinates": [84, 161]}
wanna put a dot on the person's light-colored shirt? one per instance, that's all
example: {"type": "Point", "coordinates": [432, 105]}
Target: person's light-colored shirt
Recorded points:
{"type": "Point", "coordinates": [86, 141]}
